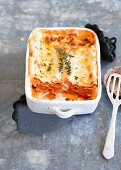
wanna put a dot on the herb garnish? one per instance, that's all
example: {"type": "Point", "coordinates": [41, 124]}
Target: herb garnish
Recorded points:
{"type": "Point", "coordinates": [60, 65]}
{"type": "Point", "coordinates": [64, 60]}
{"type": "Point", "coordinates": [68, 66]}
{"type": "Point", "coordinates": [76, 77]}
{"type": "Point", "coordinates": [49, 67]}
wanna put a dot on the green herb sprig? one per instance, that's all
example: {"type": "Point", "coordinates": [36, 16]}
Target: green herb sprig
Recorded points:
{"type": "Point", "coordinates": [64, 60]}
{"type": "Point", "coordinates": [60, 65]}
{"type": "Point", "coordinates": [68, 67]}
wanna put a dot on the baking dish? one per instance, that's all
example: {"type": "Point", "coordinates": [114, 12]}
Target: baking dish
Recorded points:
{"type": "Point", "coordinates": [63, 109]}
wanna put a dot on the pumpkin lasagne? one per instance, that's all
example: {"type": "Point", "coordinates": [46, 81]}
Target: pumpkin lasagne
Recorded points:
{"type": "Point", "coordinates": [62, 64]}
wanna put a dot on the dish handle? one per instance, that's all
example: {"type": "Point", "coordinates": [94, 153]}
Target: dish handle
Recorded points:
{"type": "Point", "coordinates": [64, 114]}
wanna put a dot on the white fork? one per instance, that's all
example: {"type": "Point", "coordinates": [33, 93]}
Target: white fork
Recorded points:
{"type": "Point", "coordinates": [108, 151]}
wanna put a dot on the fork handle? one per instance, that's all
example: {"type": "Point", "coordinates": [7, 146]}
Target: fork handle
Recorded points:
{"type": "Point", "coordinates": [108, 151]}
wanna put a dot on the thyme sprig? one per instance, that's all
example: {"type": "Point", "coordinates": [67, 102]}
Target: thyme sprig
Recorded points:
{"type": "Point", "coordinates": [68, 67]}
{"type": "Point", "coordinates": [60, 65]}
{"type": "Point", "coordinates": [64, 60]}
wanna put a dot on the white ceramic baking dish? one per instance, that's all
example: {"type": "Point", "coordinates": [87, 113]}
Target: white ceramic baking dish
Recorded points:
{"type": "Point", "coordinates": [63, 109]}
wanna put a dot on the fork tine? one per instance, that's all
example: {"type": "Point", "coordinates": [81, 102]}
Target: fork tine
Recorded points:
{"type": "Point", "coordinates": [113, 85]}
{"type": "Point", "coordinates": [118, 89]}
{"type": "Point", "coordinates": [108, 83]}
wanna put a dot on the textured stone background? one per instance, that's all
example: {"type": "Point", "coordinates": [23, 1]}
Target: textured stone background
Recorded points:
{"type": "Point", "coordinates": [77, 145]}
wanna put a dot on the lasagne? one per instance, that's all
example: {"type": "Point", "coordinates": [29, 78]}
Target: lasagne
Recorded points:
{"type": "Point", "coordinates": [62, 64]}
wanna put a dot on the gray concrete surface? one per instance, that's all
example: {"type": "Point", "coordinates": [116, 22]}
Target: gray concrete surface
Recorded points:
{"type": "Point", "coordinates": [77, 145]}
